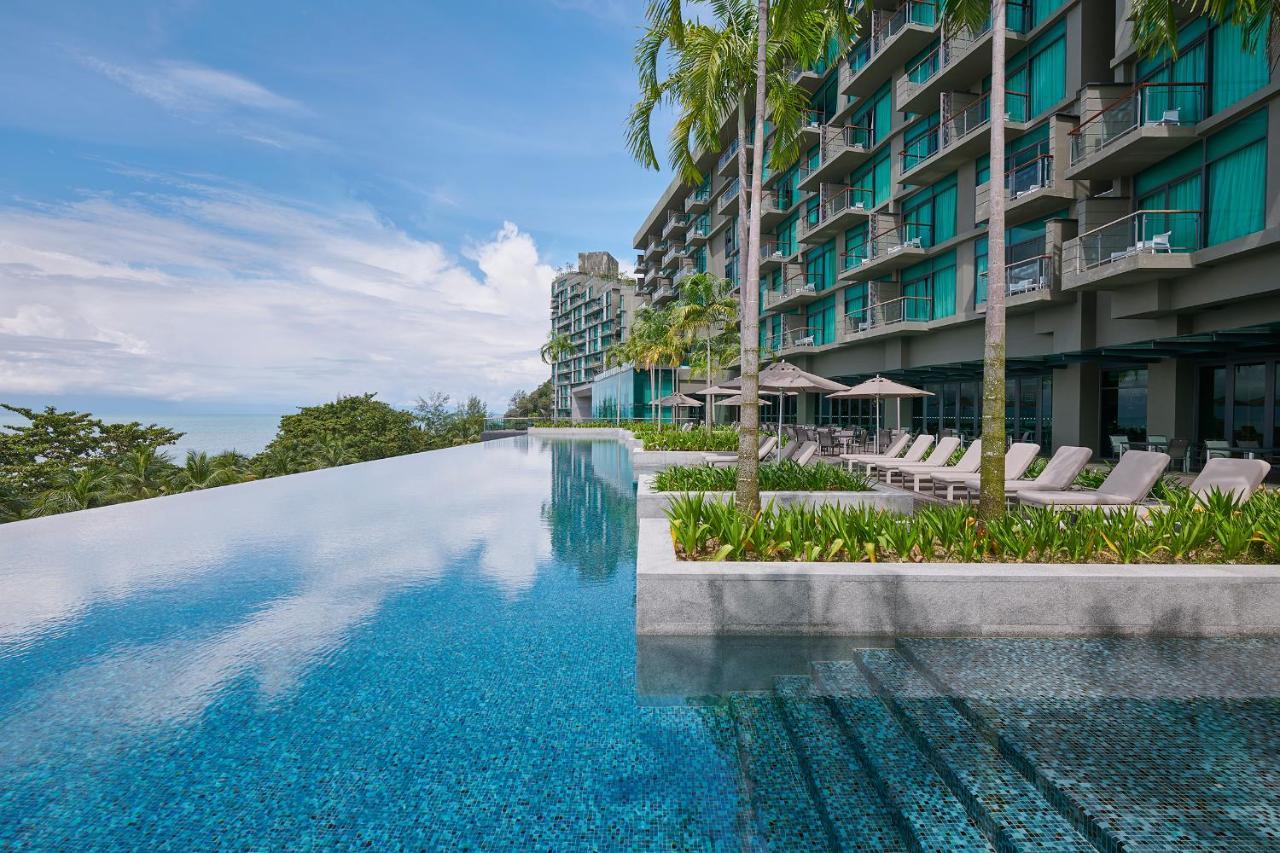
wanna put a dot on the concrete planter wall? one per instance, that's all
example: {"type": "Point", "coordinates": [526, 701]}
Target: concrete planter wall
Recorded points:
{"type": "Point", "coordinates": [651, 504]}
{"type": "Point", "coordinates": [947, 599]}
{"type": "Point", "coordinates": [641, 459]}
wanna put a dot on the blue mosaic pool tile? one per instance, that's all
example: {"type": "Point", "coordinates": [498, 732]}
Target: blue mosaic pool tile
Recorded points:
{"type": "Point", "coordinates": [784, 813]}
{"type": "Point", "coordinates": [859, 816]}
{"type": "Point", "coordinates": [999, 799]}
{"type": "Point", "coordinates": [932, 816]}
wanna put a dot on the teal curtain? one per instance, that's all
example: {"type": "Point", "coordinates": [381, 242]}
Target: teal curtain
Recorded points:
{"type": "Point", "coordinates": [1048, 70]}
{"type": "Point", "coordinates": [1042, 9]}
{"type": "Point", "coordinates": [882, 114]}
{"type": "Point", "coordinates": [944, 214]}
{"type": "Point", "coordinates": [1183, 228]}
{"type": "Point", "coordinates": [1236, 72]}
{"type": "Point", "coordinates": [882, 178]}
{"type": "Point", "coordinates": [1237, 193]}
{"type": "Point", "coordinates": [944, 292]}
{"type": "Point", "coordinates": [855, 299]}
{"type": "Point", "coordinates": [916, 308]}
{"type": "Point", "coordinates": [1016, 95]}
{"type": "Point", "coordinates": [821, 320]}
{"type": "Point", "coordinates": [980, 252]}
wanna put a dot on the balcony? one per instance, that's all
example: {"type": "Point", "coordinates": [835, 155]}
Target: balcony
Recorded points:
{"type": "Point", "coordinates": [810, 78]}
{"type": "Point", "coordinates": [656, 247]}
{"type": "Point", "coordinates": [698, 200]}
{"type": "Point", "coordinates": [698, 232]}
{"type": "Point", "coordinates": [963, 135]}
{"type": "Point", "coordinates": [1035, 187]}
{"type": "Point", "coordinates": [811, 128]}
{"type": "Point", "coordinates": [886, 251]}
{"type": "Point", "coordinates": [842, 149]}
{"type": "Point", "coordinates": [1144, 246]}
{"type": "Point", "coordinates": [663, 293]}
{"type": "Point", "coordinates": [791, 341]}
{"type": "Point", "coordinates": [676, 253]}
{"type": "Point", "coordinates": [727, 165]}
{"type": "Point", "coordinates": [842, 209]}
{"type": "Point", "coordinates": [642, 264]}
{"type": "Point", "coordinates": [904, 315]}
{"type": "Point", "coordinates": [676, 224]}
{"type": "Point", "coordinates": [776, 206]}
{"type": "Point", "coordinates": [687, 270]}
{"type": "Point", "coordinates": [961, 59]}
{"type": "Point", "coordinates": [895, 37]}
{"type": "Point", "coordinates": [774, 255]}
{"type": "Point", "coordinates": [795, 291]}
{"type": "Point", "coordinates": [729, 197]}
{"type": "Point", "coordinates": [1030, 274]}
{"type": "Point", "coordinates": [1135, 128]}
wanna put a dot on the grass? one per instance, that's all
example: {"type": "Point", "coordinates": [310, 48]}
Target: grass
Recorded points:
{"type": "Point", "coordinates": [774, 477]}
{"type": "Point", "coordinates": [1186, 531]}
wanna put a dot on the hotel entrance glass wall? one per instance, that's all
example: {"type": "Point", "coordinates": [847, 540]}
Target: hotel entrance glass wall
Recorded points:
{"type": "Point", "coordinates": [1239, 402]}
{"type": "Point", "coordinates": [957, 406]}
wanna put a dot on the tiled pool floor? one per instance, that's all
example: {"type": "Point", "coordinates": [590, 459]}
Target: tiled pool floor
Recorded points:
{"type": "Point", "coordinates": [438, 652]}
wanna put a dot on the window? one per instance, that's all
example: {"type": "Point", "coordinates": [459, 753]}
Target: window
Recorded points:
{"type": "Point", "coordinates": [1213, 403]}
{"type": "Point", "coordinates": [1037, 75]}
{"type": "Point", "coordinates": [1249, 404]}
{"type": "Point", "coordinates": [930, 215]}
{"type": "Point", "coordinates": [1024, 251]}
{"type": "Point", "coordinates": [819, 266]}
{"type": "Point", "coordinates": [1124, 404]}
{"type": "Point", "coordinates": [855, 301]}
{"type": "Point", "coordinates": [876, 114]}
{"type": "Point", "coordinates": [855, 247]}
{"type": "Point", "coordinates": [822, 320]}
{"type": "Point", "coordinates": [920, 141]}
{"type": "Point", "coordinates": [1212, 54]}
{"type": "Point", "coordinates": [874, 179]}
{"type": "Point", "coordinates": [929, 288]}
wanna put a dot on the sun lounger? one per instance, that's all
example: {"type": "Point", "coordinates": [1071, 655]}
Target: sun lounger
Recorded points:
{"type": "Point", "coordinates": [1237, 478]}
{"type": "Point", "coordinates": [899, 444]}
{"type": "Point", "coordinates": [967, 464]}
{"type": "Point", "coordinates": [914, 453]}
{"type": "Point", "coordinates": [1128, 484]}
{"type": "Point", "coordinates": [1017, 459]}
{"type": "Point", "coordinates": [766, 447]}
{"type": "Point", "coordinates": [940, 456]}
{"type": "Point", "coordinates": [806, 454]}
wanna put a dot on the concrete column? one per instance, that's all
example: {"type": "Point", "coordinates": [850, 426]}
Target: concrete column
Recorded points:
{"type": "Point", "coordinates": [1075, 406]}
{"type": "Point", "coordinates": [1170, 398]}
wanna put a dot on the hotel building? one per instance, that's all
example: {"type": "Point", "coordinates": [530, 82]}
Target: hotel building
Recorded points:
{"type": "Point", "coordinates": [1142, 238]}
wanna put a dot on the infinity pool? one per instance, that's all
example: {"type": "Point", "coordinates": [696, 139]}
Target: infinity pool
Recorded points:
{"type": "Point", "coordinates": [439, 651]}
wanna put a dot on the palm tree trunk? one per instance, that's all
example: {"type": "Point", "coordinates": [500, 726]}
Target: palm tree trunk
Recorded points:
{"type": "Point", "coordinates": [748, 496]}
{"type": "Point", "coordinates": [991, 496]}
{"type": "Point", "coordinates": [653, 396]}
{"type": "Point", "coordinates": [708, 404]}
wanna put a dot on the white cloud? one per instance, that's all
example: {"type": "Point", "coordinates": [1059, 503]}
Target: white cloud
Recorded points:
{"type": "Point", "coordinates": [183, 86]}
{"type": "Point", "coordinates": [215, 293]}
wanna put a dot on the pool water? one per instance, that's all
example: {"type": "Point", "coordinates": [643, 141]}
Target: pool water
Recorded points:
{"type": "Point", "coordinates": [438, 651]}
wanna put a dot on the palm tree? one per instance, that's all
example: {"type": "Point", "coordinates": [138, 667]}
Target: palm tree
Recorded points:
{"type": "Point", "coordinates": [144, 473]}
{"type": "Point", "coordinates": [1156, 22]}
{"type": "Point", "coordinates": [716, 71]}
{"type": "Point", "coordinates": [199, 471]}
{"type": "Point", "coordinates": [706, 304]}
{"type": "Point", "coordinates": [332, 452]}
{"type": "Point", "coordinates": [75, 490]}
{"type": "Point", "coordinates": [558, 347]}
{"type": "Point", "coordinates": [277, 461]}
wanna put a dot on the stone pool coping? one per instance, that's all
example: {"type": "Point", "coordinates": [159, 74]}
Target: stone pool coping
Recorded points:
{"type": "Point", "coordinates": [653, 504]}
{"type": "Point", "coordinates": [676, 597]}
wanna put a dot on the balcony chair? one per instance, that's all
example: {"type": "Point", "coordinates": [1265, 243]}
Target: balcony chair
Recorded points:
{"type": "Point", "coordinates": [1017, 459]}
{"type": "Point", "coordinates": [1179, 450]}
{"type": "Point", "coordinates": [1128, 484]}
{"type": "Point", "coordinates": [1216, 449]}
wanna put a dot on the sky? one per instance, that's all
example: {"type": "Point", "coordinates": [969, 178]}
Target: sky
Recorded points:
{"type": "Point", "coordinates": [223, 204]}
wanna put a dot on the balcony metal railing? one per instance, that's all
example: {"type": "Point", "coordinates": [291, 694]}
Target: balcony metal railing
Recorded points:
{"type": "Point", "coordinates": [1144, 232]}
{"type": "Point", "coordinates": [890, 241]}
{"type": "Point", "coordinates": [791, 339]}
{"type": "Point", "coordinates": [676, 221]}
{"type": "Point", "coordinates": [1162, 104]}
{"type": "Point", "coordinates": [971, 117]}
{"type": "Point", "coordinates": [729, 196]}
{"type": "Point", "coordinates": [903, 309]}
{"type": "Point", "coordinates": [918, 150]}
{"type": "Point", "coordinates": [728, 154]}
{"type": "Point", "coordinates": [1025, 276]}
{"type": "Point", "coordinates": [799, 286]}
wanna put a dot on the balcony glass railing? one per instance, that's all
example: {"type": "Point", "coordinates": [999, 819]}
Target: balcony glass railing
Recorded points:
{"type": "Point", "coordinates": [1163, 104]}
{"type": "Point", "coordinates": [1029, 176]}
{"type": "Point", "coordinates": [799, 286]}
{"type": "Point", "coordinates": [972, 117]}
{"type": "Point", "coordinates": [1144, 232]}
{"type": "Point", "coordinates": [904, 309]}
{"type": "Point", "coordinates": [920, 12]}
{"type": "Point", "coordinates": [960, 43]}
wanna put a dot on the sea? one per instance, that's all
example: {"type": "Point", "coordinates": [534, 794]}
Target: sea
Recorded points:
{"type": "Point", "coordinates": [208, 433]}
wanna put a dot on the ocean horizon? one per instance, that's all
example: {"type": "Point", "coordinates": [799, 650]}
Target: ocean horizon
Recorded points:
{"type": "Point", "coordinates": [247, 433]}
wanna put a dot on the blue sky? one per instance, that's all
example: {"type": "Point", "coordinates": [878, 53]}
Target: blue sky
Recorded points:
{"type": "Point", "coordinates": [274, 203]}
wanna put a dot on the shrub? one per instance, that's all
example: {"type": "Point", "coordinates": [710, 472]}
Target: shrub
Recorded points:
{"type": "Point", "coordinates": [1187, 530]}
{"type": "Point", "coordinates": [774, 477]}
{"type": "Point", "coordinates": [719, 440]}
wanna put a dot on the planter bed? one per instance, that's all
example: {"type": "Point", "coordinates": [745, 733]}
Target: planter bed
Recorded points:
{"type": "Point", "coordinates": [679, 597]}
{"type": "Point", "coordinates": [652, 504]}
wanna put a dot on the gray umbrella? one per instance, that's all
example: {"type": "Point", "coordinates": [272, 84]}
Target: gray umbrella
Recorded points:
{"type": "Point", "coordinates": [878, 388]}
{"type": "Point", "coordinates": [783, 376]}
{"type": "Point", "coordinates": [679, 401]}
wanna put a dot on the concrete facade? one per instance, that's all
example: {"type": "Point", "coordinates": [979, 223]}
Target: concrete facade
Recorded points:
{"type": "Point", "coordinates": [1120, 315]}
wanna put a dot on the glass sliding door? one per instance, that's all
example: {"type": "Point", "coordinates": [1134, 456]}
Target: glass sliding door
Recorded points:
{"type": "Point", "coordinates": [1248, 411]}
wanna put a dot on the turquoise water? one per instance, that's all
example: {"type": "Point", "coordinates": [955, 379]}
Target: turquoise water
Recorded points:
{"type": "Point", "coordinates": [207, 433]}
{"type": "Point", "coordinates": [438, 651]}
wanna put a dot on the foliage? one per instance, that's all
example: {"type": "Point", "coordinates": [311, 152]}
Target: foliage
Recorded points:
{"type": "Point", "coordinates": [1156, 22]}
{"type": "Point", "coordinates": [444, 427]}
{"type": "Point", "coordinates": [373, 429]}
{"type": "Point", "coordinates": [719, 439]}
{"type": "Point", "coordinates": [534, 404]}
{"type": "Point", "coordinates": [559, 346]}
{"type": "Point", "coordinates": [1186, 530]}
{"type": "Point", "coordinates": [784, 476]}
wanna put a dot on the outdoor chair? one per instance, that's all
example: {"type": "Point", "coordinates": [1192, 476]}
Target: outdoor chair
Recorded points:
{"type": "Point", "coordinates": [806, 454]}
{"type": "Point", "coordinates": [940, 456]}
{"type": "Point", "coordinates": [1179, 451]}
{"type": "Point", "coordinates": [1216, 449]}
{"type": "Point", "coordinates": [826, 442]}
{"type": "Point", "coordinates": [965, 465]}
{"type": "Point", "coordinates": [1157, 442]}
{"type": "Point", "coordinates": [1128, 484]}
{"type": "Point", "coordinates": [718, 459]}
{"type": "Point", "coordinates": [1017, 459]}
{"type": "Point", "coordinates": [1119, 445]}
{"type": "Point", "coordinates": [914, 453]}
{"type": "Point", "coordinates": [890, 451]}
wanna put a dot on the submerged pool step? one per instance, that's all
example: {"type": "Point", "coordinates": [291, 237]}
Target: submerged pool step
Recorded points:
{"type": "Point", "coordinates": [785, 813]}
{"type": "Point", "coordinates": [931, 816]}
{"type": "Point", "coordinates": [1008, 808]}
{"type": "Point", "coordinates": [859, 817]}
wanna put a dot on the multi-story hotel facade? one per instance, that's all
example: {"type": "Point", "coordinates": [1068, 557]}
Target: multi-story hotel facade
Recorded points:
{"type": "Point", "coordinates": [1142, 235]}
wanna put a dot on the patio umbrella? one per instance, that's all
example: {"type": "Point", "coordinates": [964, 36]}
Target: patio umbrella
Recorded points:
{"type": "Point", "coordinates": [679, 401]}
{"type": "Point", "coordinates": [879, 388]}
{"type": "Point", "coordinates": [736, 400]}
{"type": "Point", "coordinates": [783, 376]}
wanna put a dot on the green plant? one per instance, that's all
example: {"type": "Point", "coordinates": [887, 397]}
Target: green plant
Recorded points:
{"type": "Point", "coordinates": [774, 477]}
{"type": "Point", "coordinates": [723, 439]}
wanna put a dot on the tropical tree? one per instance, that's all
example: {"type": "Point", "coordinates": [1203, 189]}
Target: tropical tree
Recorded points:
{"type": "Point", "coordinates": [144, 473]}
{"type": "Point", "coordinates": [558, 347]}
{"type": "Point", "coordinates": [706, 306]}
{"type": "Point", "coordinates": [716, 71]}
{"type": "Point", "coordinates": [200, 471]}
{"type": "Point", "coordinates": [72, 490]}
{"type": "Point", "coordinates": [333, 451]}
{"type": "Point", "coordinates": [1156, 22]}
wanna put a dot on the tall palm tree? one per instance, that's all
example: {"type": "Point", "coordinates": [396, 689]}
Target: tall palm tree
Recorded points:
{"type": "Point", "coordinates": [973, 15]}
{"type": "Point", "coordinates": [558, 347]}
{"type": "Point", "coordinates": [706, 304]}
{"type": "Point", "coordinates": [717, 71]}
